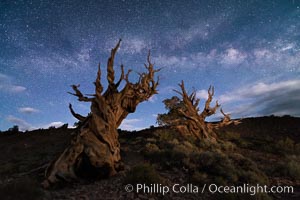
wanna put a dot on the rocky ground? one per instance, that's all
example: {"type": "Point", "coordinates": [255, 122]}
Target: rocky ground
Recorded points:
{"type": "Point", "coordinates": [260, 150]}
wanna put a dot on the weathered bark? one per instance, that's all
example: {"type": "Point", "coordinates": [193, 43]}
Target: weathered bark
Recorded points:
{"type": "Point", "coordinates": [226, 120]}
{"type": "Point", "coordinates": [187, 119]}
{"type": "Point", "coordinates": [95, 147]}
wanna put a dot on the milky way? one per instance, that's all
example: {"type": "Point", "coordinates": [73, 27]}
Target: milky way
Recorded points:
{"type": "Point", "coordinates": [249, 50]}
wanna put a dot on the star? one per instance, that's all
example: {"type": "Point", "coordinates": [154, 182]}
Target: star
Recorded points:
{"type": "Point", "coordinates": [47, 46]}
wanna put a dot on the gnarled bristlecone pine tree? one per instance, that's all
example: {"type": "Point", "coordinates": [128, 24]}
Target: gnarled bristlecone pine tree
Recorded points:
{"type": "Point", "coordinates": [185, 116]}
{"type": "Point", "coordinates": [94, 148]}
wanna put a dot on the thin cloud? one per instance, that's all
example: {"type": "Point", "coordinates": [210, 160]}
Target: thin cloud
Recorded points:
{"type": "Point", "coordinates": [232, 56]}
{"type": "Point", "coordinates": [281, 98]}
{"type": "Point", "coordinates": [203, 30]}
{"type": "Point", "coordinates": [28, 110]}
{"type": "Point", "coordinates": [152, 99]}
{"type": "Point", "coordinates": [173, 61]}
{"type": "Point", "coordinates": [282, 57]}
{"type": "Point", "coordinates": [277, 58]}
{"type": "Point", "coordinates": [154, 115]}
{"type": "Point", "coordinates": [202, 94]}
{"type": "Point", "coordinates": [131, 124]}
{"type": "Point", "coordinates": [7, 85]}
{"type": "Point", "coordinates": [134, 45]}
{"type": "Point", "coordinates": [131, 45]}
{"type": "Point", "coordinates": [51, 61]}
{"type": "Point", "coordinates": [53, 124]}
{"type": "Point", "coordinates": [192, 61]}
{"type": "Point", "coordinates": [22, 124]}
{"type": "Point", "coordinates": [84, 55]}
{"type": "Point", "coordinates": [16, 88]}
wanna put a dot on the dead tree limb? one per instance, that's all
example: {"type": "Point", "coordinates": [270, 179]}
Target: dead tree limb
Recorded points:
{"type": "Point", "coordinates": [95, 145]}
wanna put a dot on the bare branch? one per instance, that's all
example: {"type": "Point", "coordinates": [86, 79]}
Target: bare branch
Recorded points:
{"type": "Point", "coordinates": [183, 89]}
{"type": "Point", "coordinates": [76, 115]}
{"type": "Point", "coordinates": [99, 87]}
{"type": "Point", "coordinates": [121, 76]}
{"type": "Point", "coordinates": [148, 58]}
{"type": "Point", "coordinates": [97, 137]}
{"type": "Point", "coordinates": [226, 116]}
{"type": "Point", "coordinates": [208, 111]}
{"type": "Point", "coordinates": [127, 76]}
{"type": "Point", "coordinates": [155, 84]}
{"type": "Point", "coordinates": [227, 119]}
{"type": "Point", "coordinates": [78, 94]}
{"type": "Point", "coordinates": [110, 64]}
{"type": "Point", "coordinates": [178, 92]}
{"type": "Point", "coordinates": [185, 117]}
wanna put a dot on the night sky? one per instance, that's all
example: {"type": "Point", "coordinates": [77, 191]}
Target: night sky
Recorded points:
{"type": "Point", "coordinates": [249, 50]}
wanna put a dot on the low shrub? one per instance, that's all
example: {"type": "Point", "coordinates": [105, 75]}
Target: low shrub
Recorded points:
{"type": "Point", "coordinates": [143, 174]}
{"type": "Point", "coordinates": [293, 169]}
{"type": "Point", "coordinates": [232, 136]}
{"type": "Point", "coordinates": [150, 148]}
{"type": "Point", "coordinates": [204, 161]}
{"type": "Point", "coordinates": [286, 146]}
{"type": "Point", "coordinates": [218, 165]}
{"type": "Point", "coordinates": [290, 167]}
{"type": "Point", "coordinates": [167, 158]}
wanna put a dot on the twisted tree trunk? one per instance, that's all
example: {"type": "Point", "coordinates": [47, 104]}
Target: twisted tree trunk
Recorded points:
{"type": "Point", "coordinates": [95, 149]}
{"type": "Point", "coordinates": [185, 116]}
{"type": "Point", "coordinates": [194, 122]}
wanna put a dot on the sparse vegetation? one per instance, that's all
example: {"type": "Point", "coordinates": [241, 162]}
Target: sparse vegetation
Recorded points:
{"type": "Point", "coordinates": [287, 146]}
{"type": "Point", "coordinates": [144, 174]}
{"type": "Point", "coordinates": [288, 167]}
{"type": "Point", "coordinates": [160, 155]}
{"type": "Point", "coordinates": [216, 162]}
